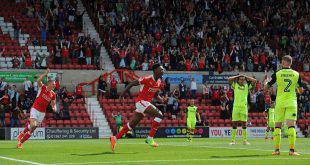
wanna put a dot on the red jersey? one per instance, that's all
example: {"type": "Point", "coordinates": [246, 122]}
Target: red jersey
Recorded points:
{"type": "Point", "coordinates": [79, 90]}
{"type": "Point", "coordinates": [65, 52]}
{"type": "Point", "coordinates": [43, 99]}
{"type": "Point", "coordinates": [188, 65]}
{"type": "Point", "coordinates": [88, 52]}
{"type": "Point", "coordinates": [113, 83]}
{"type": "Point", "coordinates": [57, 86]}
{"type": "Point", "coordinates": [267, 99]}
{"type": "Point", "coordinates": [149, 87]}
{"type": "Point", "coordinates": [263, 59]}
{"type": "Point", "coordinates": [255, 59]}
{"type": "Point", "coordinates": [28, 62]}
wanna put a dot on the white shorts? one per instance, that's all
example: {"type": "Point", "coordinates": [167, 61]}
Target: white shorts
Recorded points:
{"type": "Point", "coordinates": [35, 114]}
{"type": "Point", "coordinates": [142, 105]}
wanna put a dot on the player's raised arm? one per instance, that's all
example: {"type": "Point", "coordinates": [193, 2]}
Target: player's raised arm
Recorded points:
{"type": "Point", "coordinates": [40, 79]}
{"type": "Point", "coordinates": [133, 83]}
{"type": "Point", "coordinates": [233, 78]}
{"type": "Point", "coordinates": [251, 79]}
{"type": "Point", "coordinates": [271, 82]}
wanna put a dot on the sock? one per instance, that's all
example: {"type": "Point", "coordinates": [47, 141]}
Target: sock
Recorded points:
{"type": "Point", "coordinates": [277, 138]}
{"type": "Point", "coordinates": [26, 129]}
{"type": "Point", "coordinates": [25, 137]}
{"type": "Point", "coordinates": [123, 131]}
{"type": "Point", "coordinates": [244, 134]}
{"type": "Point", "coordinates": [292, 137]}
{"type": "Point", "coordinates": [271, 134]}
{"type": "Point", "coordinates": [266, 134]}
{"type": "Point", "coordinates": [233, 134]}
{"type": "Point", "coordinates": [191, 134]}
{"type": "Point", "coordinates": [188, 133]}
{"type": "Point", "coordinates": [154, 127]}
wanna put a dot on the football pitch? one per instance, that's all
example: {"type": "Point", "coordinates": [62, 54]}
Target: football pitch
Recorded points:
{"type": "Point", "coordinates": [135, 151]}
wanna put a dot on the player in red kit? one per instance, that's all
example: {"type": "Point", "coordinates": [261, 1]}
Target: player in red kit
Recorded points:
{"type": "Point", "coordinates": [44, 97]}
{"type": "Point", "coordinates": [150, 85]}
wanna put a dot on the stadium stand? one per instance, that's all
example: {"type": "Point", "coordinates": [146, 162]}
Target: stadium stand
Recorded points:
{"type": "Point", "coordinates": [222, 36]}
{"type": "Point", "coordinates": [186, 35]}
{"type": "Point", "coordinates": [43, 30]}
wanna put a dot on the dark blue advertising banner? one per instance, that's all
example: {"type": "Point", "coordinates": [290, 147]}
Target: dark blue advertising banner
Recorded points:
{"type": "Point", "coordinates": [170, 132]}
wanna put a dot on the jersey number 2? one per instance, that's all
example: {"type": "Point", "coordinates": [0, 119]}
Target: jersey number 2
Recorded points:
{"type": "Point", "coordinates": [286, 89]}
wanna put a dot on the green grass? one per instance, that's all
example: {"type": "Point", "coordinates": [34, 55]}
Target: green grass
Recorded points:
{"type": "Point", "coordinates": [135, 151]}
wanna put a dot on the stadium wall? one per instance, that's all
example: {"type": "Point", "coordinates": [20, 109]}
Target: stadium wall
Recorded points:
{"type": "Point", "coordinates": [70, 78]}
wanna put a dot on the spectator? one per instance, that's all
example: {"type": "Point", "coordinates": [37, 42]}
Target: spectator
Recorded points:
{"type": "Point", "coordinates": [66, 102]}
{"type": "Point", "coordinates": [102, 84]}
{"type": "Point", "coordinates": [27, 61]}
{"type": "Point", "coordinates": [16, 63]}
{"type": "Point", "coordinates": [79, 92]}
{"type": "Point", "coordinates": [205, 91]}
{"type": "Point", "coordinates": [167, 85]}
{"type": "Point", "coordinates": [3, 85]}
{"type": "Point", "coordinates": [215, 98]}
{"type": "Point", "coordinates": [118, 120]}
{"type": "Point", "coordinates": [170, 103]}
{"type": "Point", "coordinates": [113, 88]}
{"type": "Point", "coordinates": [224, 111]}
{"type": "Point", "coordinates": [176, 109]}
{"type": "Point", "coordinates": [2, 115]}
{"type": "Point", "coordinates": [5, 101]}
{"type": "Point", "coordinates": [27, 87]}
{"type": "Point", "coordinates": [193, 88]}
{"type": "Point", "coordinates": [25, 104]}
{"type": "Point", "coordinates": [81, 55]}
{"type": "Point", "coordinates": [182, 89]}
{"type": "Point", "coordinates": [15, 114]}
{"type": "Point", "coordinates": [260, 101]}
{"type": "Point", "coordinates": [14, 96]}
{"type": "Point", "coordinates": [88, 55]}
{"type": "Point", "coordinates": [64, 54]}
{"type": "Point", "coordinates": [253, 101]}
{"type": "Point", "coordinates": [145, 65]}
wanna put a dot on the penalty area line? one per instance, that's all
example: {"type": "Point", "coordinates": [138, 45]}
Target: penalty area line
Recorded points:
{"type": "Point", "coordinates": [21, 161]}
{"type": "Point", "coordinates": [179, 160]}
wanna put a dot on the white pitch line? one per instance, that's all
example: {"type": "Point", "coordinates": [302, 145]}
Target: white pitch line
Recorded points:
{"type": "Point", "coordinates": [19, 160]}
{"type": "Point", "coordinates": [179, 160]}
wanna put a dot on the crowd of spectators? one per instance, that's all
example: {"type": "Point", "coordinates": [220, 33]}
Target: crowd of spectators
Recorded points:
{"type": "Point", "coordinates": [59, 26]}
{"type": "Point", "coordinates": [200, 35]}
{"type": "Point", "coordinates": [286, 25]}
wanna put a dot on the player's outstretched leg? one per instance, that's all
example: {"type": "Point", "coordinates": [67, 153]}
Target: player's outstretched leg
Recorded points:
{"type": "Point", "coordinates": [153, 111]}
{"type": "Point", "coordinates": [22, 133]}
{"type": "Point", "coordinates": [150, 139]}
{"type": "Point", "coordinates": [129, 126]}
{"type": "Point", "coordinates": [27, 132]}
{"type": "Point", "coordinates": [277, 140]}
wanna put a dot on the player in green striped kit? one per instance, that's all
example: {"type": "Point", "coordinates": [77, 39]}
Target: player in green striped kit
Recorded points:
{"type": "Point", "coordinates": [241, 85]}
{"type": "Point", "coordinates": [270, 120]}
{"type": "Point", "coordinates": [288, 81]}
{"type": "Point", "coordinates": [192, 113]}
